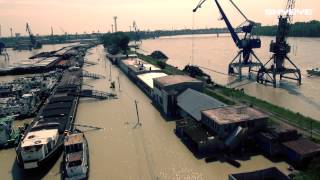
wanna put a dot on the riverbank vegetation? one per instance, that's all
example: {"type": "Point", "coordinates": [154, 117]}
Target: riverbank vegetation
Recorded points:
{"type": "Point", "coordinates": [298, 29]}
{"type": "Point", "coordinates": [116, 42]}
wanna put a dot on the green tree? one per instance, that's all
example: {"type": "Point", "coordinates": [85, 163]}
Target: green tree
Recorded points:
{"type": "Point", "coordinates": [116, 42]}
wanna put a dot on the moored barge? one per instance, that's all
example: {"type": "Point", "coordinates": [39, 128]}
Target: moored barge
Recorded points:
{"type": "Point", "coordinates": [43, 139]}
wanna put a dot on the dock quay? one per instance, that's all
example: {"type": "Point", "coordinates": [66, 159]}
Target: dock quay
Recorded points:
{"type": "Point", "coordinates": [48, 61]}
{"type": "Point", "coordinates": [206, 125]}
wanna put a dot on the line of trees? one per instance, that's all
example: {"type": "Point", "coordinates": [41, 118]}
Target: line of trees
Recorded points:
{"type": "Point", "coordinates": [298, 29]}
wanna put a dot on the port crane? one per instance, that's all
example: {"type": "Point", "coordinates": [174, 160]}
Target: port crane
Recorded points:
{"type": "Point", "coordinates": [3, 51]}
{"type": "Point", "coordinates": [136, 31]}
{"type": "Point", "coordinates": [2, 46]}
{"type": "Point", "coordinates": [246, 57]}
{"type": "Point", "coordinates": [34, 43]}
{"type": "Point", "coordinates": [280, 49]}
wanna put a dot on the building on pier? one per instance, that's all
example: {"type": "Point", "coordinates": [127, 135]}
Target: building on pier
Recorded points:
{"type": "Point", "coordinates": [166, 90]}
{"type": "Point", "coordinates": [300, 152]}
{"type": "Point", "coordinates": [135, 66]}
{"type": "Point", "coordinates": [225, 120]}
{"type": "Point", "coordinates": [270, 173]}
{"type": "Point", "coordinates": [197, 138]}
{"type": "Point", "coordinates": [191, 103]}
{"type": "Point", "coordinates": [145, 81]}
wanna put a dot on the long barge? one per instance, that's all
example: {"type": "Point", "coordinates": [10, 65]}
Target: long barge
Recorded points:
{"type": "Point", "coordinates": [43, 139]}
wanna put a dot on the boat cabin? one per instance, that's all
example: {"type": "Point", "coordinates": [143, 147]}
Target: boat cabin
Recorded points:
{"type": "Point", "coordinates": [36, 145]}
{"type": "Point", "coordinates": [76, 157]}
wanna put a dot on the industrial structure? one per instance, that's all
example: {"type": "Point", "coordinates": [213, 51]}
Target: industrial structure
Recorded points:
{"type": "Point", "coordinates": [246, 58]}
{"type": "Point", "coordinates": [34, 43]}
{"type": "Point", "coordinates": [276, 66]}
{"type": "Point", "coordinates": [115, 24]}
{"type": "Point", "coordinates": [3, 51]}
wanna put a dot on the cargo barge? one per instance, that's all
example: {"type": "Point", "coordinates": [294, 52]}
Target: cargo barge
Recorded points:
{"type": "Point", "coordinates": [43, 140]}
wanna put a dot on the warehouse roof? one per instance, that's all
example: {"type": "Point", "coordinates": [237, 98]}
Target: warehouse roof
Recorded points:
{"type": "Point", "coordinates": [175, 79]}
{"type": "Point", "coordinates": [147, 78]}
{"type": "Point", "coordinates": [234, 114]}
{"type": "Point", "coordinates": [139, 65]}
{"type": "Point", "coordinates": [193, 102]}
{"type": "Point", "coordinates": [303, 147]}
{"type": "Point", "coordinates": [270, 173]}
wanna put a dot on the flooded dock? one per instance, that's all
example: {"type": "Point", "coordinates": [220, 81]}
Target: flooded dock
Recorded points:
{"type": "Point", "coordinates": [151, 151]}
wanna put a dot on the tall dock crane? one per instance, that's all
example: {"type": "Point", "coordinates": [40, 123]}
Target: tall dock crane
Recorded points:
{"type": "Point", "coordinates": [35, 44]}
{"type": "Point", "coordinates": [280, 49]}
{"type": "Point", "coordinates": [136, 32]}
{"type": "Point", "coordinates": [2, 46]}
{"type": "Point", "coordinates": [246, 58]}
{"type": "Point", "coordinates": [3, 51]}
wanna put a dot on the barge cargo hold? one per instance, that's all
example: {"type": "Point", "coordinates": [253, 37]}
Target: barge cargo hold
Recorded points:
{"type": "Point", "coordinates": [43, 139]}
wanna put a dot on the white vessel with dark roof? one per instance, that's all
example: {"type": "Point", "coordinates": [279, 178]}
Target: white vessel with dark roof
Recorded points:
{"type": "Point", "coordinates": [76, 157]}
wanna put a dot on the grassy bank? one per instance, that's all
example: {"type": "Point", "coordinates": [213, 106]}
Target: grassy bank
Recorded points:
{"type": "Point", "coordinates": [233, 96]}
{"type": "Point", "coordinates": [296, 119]}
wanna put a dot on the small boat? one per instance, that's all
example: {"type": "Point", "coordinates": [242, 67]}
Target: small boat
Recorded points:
{"type": "Point", "coordinates": [315, 71]}
{"type": "Point", "coordinates": [76, 157]}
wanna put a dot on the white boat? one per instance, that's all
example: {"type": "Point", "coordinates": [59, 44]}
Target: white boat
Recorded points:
{"type": "Point", "coordinates": [37, 146]}
{"type": "Point", "coordinates": [76, 157]}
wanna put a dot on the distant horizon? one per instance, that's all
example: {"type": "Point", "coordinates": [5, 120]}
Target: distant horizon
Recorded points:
{"type": "Point", "coordinates": [92, 15]}
{"type": "Point", "coordinates": [88, 33]}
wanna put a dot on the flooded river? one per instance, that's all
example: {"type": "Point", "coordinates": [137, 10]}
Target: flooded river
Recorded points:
{"type": "Point", "coordinates": [216, 53]}
{"type": "Point", "coordinates": [120, 151]}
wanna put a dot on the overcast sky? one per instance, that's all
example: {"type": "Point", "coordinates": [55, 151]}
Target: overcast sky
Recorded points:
{"type": "Point", "coordinates": [92, 15]}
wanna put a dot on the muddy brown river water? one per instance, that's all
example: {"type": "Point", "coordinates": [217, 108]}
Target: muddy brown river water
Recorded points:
{"type": "Point", "coordinates": [120, 151]}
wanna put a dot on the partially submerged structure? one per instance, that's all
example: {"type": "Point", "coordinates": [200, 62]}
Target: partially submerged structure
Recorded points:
{"type": "Point", "coordinates": [199, 141]}
{"type": "Point", "coordinates": [223, 121]}
{"type": "Point", "coordinates": [135, 66]}
{"type": "Point", "coordinates": [300, 151]}
{"type": "Point", "coordinates": [191, 103]}
{"type": "Point", "coordinates": [166, 90]}
{"type": "Point", "coordinates": [145, 81]}
{"type": "Point", "coordinates": [264, 174]}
